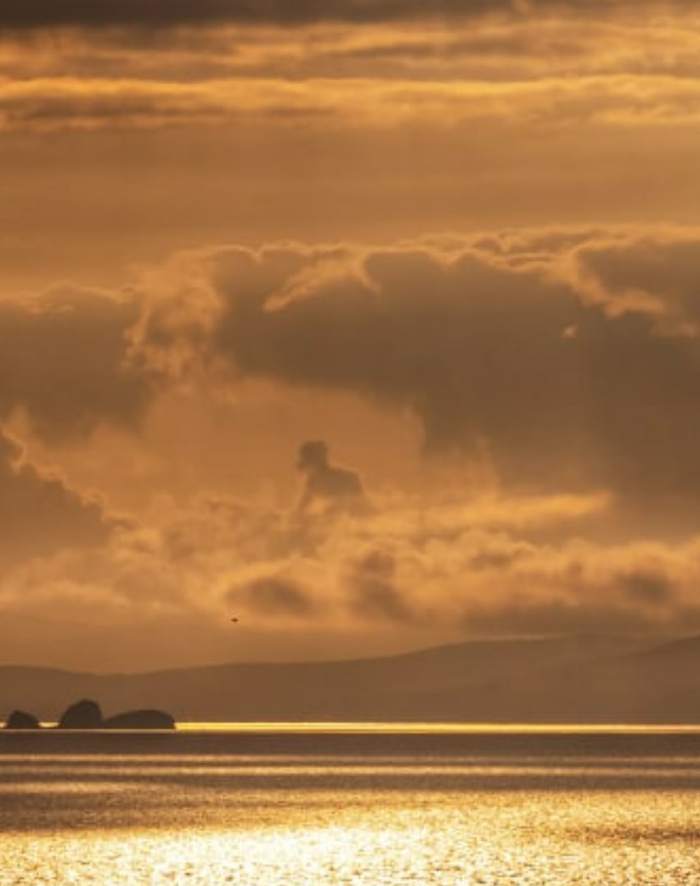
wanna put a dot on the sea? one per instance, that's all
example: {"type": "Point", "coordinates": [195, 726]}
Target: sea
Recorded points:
{"type": "Point", "coordinates": [367, 804]}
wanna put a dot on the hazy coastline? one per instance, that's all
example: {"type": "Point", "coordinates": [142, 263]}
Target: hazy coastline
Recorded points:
{"type": "Point", "coordinates": [570, 679]}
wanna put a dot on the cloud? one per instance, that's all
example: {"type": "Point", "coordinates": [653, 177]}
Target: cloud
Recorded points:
{"type": "Point", "coordinates": [40, 514]}
{"type": "Point", "coordinates": [372, 589]}
{"type": "Point", "coordinates": [64, 362]}
{"type": "Point", "coordinates": [581, 587]}
{"type": "Point", "coordinates": [167, 13]}
{"type": "Point", "coordinates": [427, 570]}
{"type": "Point", "coordinates": [614, 101]}
{"type": "Point", "coordinates": [656, 271]}
{"type": "Point", "coordinates": [418, 570]}
{"type": "Point", "coordinates": [495, 49]}
{"type": "Point", "coordinates": [562, 362]}
{"type": "Point", "coordinates": [599, 67]}
{"type": "Point", "coordinates": [273, 595]}
{"type": "Point", "coordinates": [506, 352]}
{"type": "Point", "coordinates": [528, 617]}
{"type": "Point", "coordinates": [327, 487]}
{"type": "Point", "coordinates": [647, 586]}
{"type": "Point", "coordinates": [53, 103]}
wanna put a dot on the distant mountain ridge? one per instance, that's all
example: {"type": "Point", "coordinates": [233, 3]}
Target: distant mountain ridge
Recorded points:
{"type": "Point", "coordinates": [580, 678]}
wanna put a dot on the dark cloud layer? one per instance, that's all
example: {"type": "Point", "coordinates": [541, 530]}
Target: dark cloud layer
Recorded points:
{"type": "Point", "coordinates": [64, 362]}
{"type": "Point", "coordinates": [164, 13]}
{"type": "Point", "coordinates": [39, 513]}
{"type": "Point", "coordinates": [560, 390]}
{"type": "Point", "coordinates": [274, 595]}
{"type": "Point", "coordinates": [540, 357]}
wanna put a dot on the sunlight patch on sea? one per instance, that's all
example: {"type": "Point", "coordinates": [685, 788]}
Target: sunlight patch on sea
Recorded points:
{"type": "Point", "coordinates": [133, 819]}
{"type": "Point", "coordinates": [440, 728]}
{"type": "Point", "coordinates": [329, 839]}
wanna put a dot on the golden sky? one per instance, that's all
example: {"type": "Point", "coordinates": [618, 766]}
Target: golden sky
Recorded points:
{"type": "Point", "coordinates": [457, 241]}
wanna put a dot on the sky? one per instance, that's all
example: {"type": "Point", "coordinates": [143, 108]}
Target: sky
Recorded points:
{"type": "Point", "coordinates": [457, 242]}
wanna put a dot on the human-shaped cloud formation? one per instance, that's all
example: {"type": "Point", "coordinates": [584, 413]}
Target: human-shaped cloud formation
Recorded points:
{"type": "Point", "coordinates": [327, 487]}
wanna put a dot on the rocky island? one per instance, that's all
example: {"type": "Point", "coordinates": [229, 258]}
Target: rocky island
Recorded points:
{"type": "Point", "coordinates": [22, 720]}
{"type": "Point", "coordinates": [87, 714]}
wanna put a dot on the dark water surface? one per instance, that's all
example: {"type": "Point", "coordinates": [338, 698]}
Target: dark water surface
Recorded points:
{"type": "Point", "coordinates": [363, 804]}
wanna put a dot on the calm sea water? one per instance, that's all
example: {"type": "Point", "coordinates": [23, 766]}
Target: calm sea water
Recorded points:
{"type": "Point", "coordinates": [440, 808]}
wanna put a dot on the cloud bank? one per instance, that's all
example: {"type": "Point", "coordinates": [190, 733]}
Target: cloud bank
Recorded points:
{"type": "Point", "coordinates": [64, 362]}
{"type": "Point", "coordinates": [40, 514]}
{"type": "Point", "coordinates": [166, 13]}
{"type": "Point", "coordinates": [554, 374]}
{"type": "Point", "coordinates": [561, 358]}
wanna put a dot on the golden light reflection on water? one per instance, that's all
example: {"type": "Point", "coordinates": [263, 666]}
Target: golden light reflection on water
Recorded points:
{"type": "Point", "coordinates": [124, 819]}
{"type": "Point", "coordinates": [394, 728]}
{"type": "Point", "coordinates": [446, 839]}
{"type": "Point", "coordinates": [239, 770]}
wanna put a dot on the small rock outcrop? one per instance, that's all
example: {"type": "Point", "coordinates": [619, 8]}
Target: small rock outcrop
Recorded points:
{"type": "Point", "coordinates": [140, 720]}
{"type": "Point", "coordinates": [22, 720]}
{"type": "Point", "coordinates": [85, 714]}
